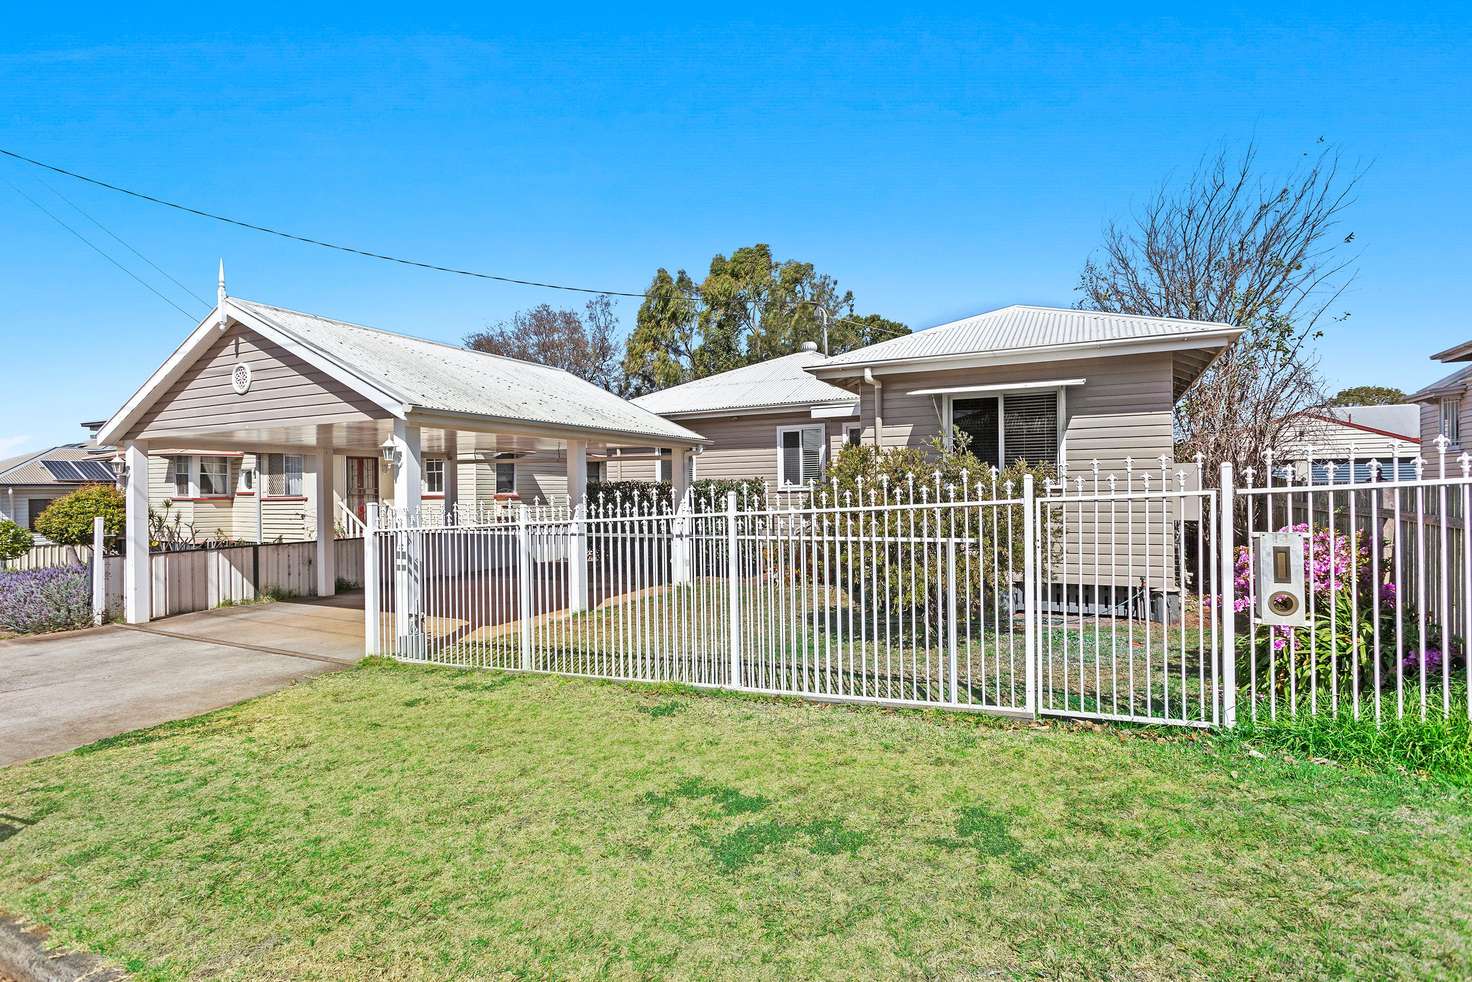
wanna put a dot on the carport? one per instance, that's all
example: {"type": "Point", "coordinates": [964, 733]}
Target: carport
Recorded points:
{"type": "Point", "coordinates": [253, 377]}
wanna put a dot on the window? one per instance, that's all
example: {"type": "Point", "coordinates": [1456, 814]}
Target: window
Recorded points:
{"type": "Point", "coordinates": [1006, 428]}
{"type": "Point", "coordinates": [505, 478]}
{"type": "Point", "coordinates": [214, 477]}
{"type": "Point", "coordinates": [799, 454]}
{"type": "Point", "coordinates": [853, 434]}
{"type": "Point", "coordinates": [434, 475]}
{"type": "Point", "coordinates": [283, 475]}
{"type": "Point", "coordinates": [1451, 411]}
{"type": "Point", "coordinates": [595, 470]}
{"type": "Point", "coordinates": [666, 466]}
{"type": "Point", "coordinates": [247, 484]}
{"type": "Point", "coordinates": [180, 469]}
{"type": "Point", "coordinates": [34, 508]}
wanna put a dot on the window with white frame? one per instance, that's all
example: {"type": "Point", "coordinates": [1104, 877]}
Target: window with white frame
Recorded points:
{"type": "Point", "coordinates": [1451, 413]}
{"type": "Point", "coordinates": [853, 434]}
{"type": "Point", "coordinates": [1010, 426]}
{"type": "Point", "coordinates": [283, 475]}
{"type": "Point", "coordinates": [800, 452]}
{"type": "Point", "coordinates": [434, 475]}
{"type": "Point", "coordinates": [666, 466]}
{"type": "Point", "coordinates": [199, 477]}
{"type": "Point", "coordinates": [505, 478]}
{"type": "Point", "coordinates": [595, 470]}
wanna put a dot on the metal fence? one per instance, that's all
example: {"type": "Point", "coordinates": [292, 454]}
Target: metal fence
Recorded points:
{"type": "Point", "coordinates": [1122, 597]}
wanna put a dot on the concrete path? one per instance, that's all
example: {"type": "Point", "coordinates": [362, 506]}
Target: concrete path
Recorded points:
{"type": "Point", "coordinates": [67, 690]}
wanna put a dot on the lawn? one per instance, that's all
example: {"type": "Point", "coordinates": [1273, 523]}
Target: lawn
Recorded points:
{"type": "Point", "coordinates": [423, 822]}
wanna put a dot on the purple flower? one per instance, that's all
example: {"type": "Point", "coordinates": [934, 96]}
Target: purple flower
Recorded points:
{"type": "Point", "coordinates": [1411, 663]}
{"type": "Point", "coordinates": [51, 599]}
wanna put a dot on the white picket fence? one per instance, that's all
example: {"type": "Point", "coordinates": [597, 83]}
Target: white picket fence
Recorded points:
{"type": "Point", "coordinates": [1118, 597]}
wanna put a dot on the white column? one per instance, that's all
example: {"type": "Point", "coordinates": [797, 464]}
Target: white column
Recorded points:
{"type": "Point", "coordinates": [408, 601]}
{"type": "Point", "coordinates": [680, 466]}
{"type": "Point", "coordinates": [452, 476]}
{"type": "Point", "coordinates": [326, 525]}
{"type": "Point", "coordinates": [577, 542]}
{"type": "Point", "coordinates": [99, 571]}
{"type": "Point", "coordinates": [137, 574]}
{"type": "Point", "coordinates": [408, 470]}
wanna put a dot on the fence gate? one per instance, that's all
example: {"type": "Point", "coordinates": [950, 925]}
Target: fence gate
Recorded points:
{"type": "Point", "coordinates": [1126, 628]}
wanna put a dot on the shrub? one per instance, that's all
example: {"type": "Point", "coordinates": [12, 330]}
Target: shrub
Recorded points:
{"type": "Point", "coordinates": [14, 541]}
{"type": "Point", "coordinates": [69, 520]}
{"type": "Point", "coordinates": [53, 599]}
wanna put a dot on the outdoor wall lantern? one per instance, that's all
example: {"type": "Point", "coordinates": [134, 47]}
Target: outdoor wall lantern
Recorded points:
{"type": "Point", "coordinates": [389, 452]}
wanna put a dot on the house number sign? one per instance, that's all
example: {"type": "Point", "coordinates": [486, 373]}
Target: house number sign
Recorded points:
{"type": "Point", "coordinates": [240, 379]}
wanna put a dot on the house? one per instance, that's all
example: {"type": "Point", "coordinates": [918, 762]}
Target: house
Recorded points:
{"type": "Point", "coordinates": [1328, 441]}
{"type": "Point", "coordinates": [1047, 385]}
{"type": "Point", "coordinates": [31, 482]}
{"type": "Point", "coordinates": [1446, 407]}
{"type": "Point", "coordinates": [274, 407]}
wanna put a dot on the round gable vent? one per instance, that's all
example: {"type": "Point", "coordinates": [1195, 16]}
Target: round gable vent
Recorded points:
{"type": "Point", "coordinates": [240, 379]}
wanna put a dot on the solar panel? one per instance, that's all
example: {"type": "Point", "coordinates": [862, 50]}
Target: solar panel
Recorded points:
{"type": "Point", "coordinates": [79, 470]}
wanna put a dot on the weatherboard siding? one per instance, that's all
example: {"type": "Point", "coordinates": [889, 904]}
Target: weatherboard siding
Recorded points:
{"type": "Point", "coordinates": [284, 391]}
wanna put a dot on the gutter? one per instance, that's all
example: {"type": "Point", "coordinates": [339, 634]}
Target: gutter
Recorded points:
{"type": "Point", "coordinates": [869, 379]}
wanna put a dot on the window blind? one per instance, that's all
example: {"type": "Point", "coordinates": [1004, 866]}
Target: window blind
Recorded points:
{"type": "Point", "coordinates": [1030, 428]}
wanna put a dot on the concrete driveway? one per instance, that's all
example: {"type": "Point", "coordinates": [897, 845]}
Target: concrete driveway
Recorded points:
{"type": "Point", "coordinates": [63, 691]}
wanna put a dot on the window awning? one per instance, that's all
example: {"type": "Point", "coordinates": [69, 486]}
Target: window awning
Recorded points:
{"type": "Point", "coordinates": [1002, 387]}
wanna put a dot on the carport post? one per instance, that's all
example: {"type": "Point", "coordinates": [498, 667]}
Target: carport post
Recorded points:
{"type": "Point", "coordinates": [137, 577]}
{"type": "Point", "coordinates": [326, 525]}
{"type": "Point", "coordinates": [99, 571]}
{"type": "Point", "coordinates": [577, 541]}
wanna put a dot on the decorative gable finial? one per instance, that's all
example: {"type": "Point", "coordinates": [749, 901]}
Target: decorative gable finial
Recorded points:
{"type": "Point", "coordinates": [220, 297]}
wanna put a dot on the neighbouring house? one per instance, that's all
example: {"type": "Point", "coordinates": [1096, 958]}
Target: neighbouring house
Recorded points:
{"type": "Point", "coordinates": [1446, 404]}
{"type": "Point", "coordinates": [31, 482]}
{"type": "Point", "coordinates": [313, 418]}
{"type": "Point", "coordinates": [1051, 386]}
{"type": "Point", "coordinates": [1047, 385]}
{"type": "Point", "coordinates": [1326, 442]}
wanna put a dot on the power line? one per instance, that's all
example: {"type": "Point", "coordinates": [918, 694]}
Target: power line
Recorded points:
{"type": "Point", "coordinates": [165, 273]}
{"type": "Point", "coordinates": [88, 242]}
{"type": "Point", "coordinates": [419, 264]}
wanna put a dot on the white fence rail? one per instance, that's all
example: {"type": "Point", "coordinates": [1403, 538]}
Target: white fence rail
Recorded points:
{"type": "Point", "coordinates": [1123, 597]}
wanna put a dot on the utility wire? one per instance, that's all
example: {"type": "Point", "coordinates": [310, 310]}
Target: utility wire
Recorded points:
{"type": "Point", "coordinates": [163, 272]}
{"type": "Point", "coordinates": [344, 248]}
{"type": "Point", "coordinates": [88, 242]}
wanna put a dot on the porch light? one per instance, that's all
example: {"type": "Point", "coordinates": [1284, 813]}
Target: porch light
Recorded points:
{"type": "Point", "coordinates": [389, 452]}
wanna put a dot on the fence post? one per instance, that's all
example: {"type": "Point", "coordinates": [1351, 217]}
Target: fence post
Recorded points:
{"type": "Point", "coordinates": [577, 559]}
{"type": "Point", "coordinates": [1030, 574]}
{"type": "Point", "coordinates": [733, 589]}
{"type": "Point", "coordinates": [99, 573]}
{"type": "Point", "coordinates": [524, 583]}
{"type": "Point", "coordinates": [951, 590]}
{"type": "Point", "coordinates": [371, 582]}
{"type": "Point", "coordinates": [1226, 606]}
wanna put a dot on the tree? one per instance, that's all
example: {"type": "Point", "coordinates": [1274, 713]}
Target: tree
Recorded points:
{"type": "Point", "coordinates": [750, 307]}
{"type": "Point", "coordinates": [584, 344]}
{"type": "Point", "coordinates": [1234, 247]}
{"type": "Point", "coordinates": [14, 540]}
{"type": "Point", "coordinates": [1368, 395]}
{"type": "Point", "coordinates": [68, 520]}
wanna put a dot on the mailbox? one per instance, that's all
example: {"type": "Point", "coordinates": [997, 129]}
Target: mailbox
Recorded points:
{"type": "Point", "coordinates": [1281, 599]}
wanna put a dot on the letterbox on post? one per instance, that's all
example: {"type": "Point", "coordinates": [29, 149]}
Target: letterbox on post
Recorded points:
{"type": "Point", "coordinates": [1281, 599]}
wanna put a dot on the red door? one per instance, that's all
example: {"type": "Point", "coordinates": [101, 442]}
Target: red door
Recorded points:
{"type": "Point", "coordinates": [362, 484]}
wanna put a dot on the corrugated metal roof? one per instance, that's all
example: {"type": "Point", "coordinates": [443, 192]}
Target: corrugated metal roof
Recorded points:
{"type": "Point", "coordinates": [31, 468]}
{"type": "Point", "coordinates": [1451, 384]}
{"type": "Point", "coordinates": [1021, 327]}
{"type": "Point", "coordinates": [1404, 420]}
{"type": "Point", "coordinates": [781, 381]}
{"type": "Point", "coordinates": [438, 377]}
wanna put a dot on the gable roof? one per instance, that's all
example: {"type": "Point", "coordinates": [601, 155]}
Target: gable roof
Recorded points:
{"type": "Point", "coordinates": [1401, 421]}
{"type": "Point", "coordinates": [1021, 328]}
{"type": "Point", "coordinates": [774, 383]}
{"type": "Point", "coordinates": [1452, 384]}
{"type": "Point", "coordinates": [405, 374]}
{"type": "Point", "coordinates": [31, 469]}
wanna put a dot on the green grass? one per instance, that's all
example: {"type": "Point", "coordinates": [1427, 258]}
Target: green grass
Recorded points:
{"type": "Point", "coordinates": [427, 823]}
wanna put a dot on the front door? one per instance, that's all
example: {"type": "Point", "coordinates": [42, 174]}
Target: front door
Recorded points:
{"type": "Point", "coordinates": [362, 484]}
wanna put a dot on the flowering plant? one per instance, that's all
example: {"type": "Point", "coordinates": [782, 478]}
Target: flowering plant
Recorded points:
{"type": "Point", "coordinates": [52, 599]}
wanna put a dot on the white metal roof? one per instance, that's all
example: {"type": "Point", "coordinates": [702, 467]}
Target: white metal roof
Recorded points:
{"type": "Point", "coordinates": [1019, 327]}
{"type": "Point", "coordinates": [1400, 420]}
{"type": "Point", "coordinates": [437, 377]}
{"type": "Point", "coordinates": [774, 383]}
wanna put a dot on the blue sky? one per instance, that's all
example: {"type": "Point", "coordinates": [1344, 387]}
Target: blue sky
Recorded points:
{"type": "Point", "coordinates": [938, 164]}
